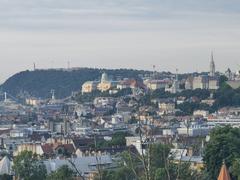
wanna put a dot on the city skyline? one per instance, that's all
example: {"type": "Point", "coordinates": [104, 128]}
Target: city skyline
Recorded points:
{"type": "Point", "coordinates": [119, 34]}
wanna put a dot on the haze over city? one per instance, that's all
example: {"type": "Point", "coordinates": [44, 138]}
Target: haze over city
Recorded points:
{"type": "Point", "coordinates": [120, 89]}
{"type": "Point", "coordinates": [119, 34]}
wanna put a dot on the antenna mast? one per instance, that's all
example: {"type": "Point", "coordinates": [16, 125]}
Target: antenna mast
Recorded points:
{"type": "Point", "coordinates": [68, 65]}
{"type": "Point", "coordinates": [5, 96]}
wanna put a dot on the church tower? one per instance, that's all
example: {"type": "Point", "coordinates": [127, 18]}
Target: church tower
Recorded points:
{"type": "Point", "coordinates": [224, 174]}
{"type": "Point", "coordinates": [212, 66]}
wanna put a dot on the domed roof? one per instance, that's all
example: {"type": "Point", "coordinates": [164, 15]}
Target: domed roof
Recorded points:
{"type": "Point", "coordinates": [104, 77]}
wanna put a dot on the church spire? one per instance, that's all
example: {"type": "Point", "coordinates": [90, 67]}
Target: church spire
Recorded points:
{"type": "Point", "coordinates": [224, 174]}
{"type": "Point", "coordinates": [212, 66]}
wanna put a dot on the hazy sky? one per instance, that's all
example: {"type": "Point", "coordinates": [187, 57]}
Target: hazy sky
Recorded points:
{"type": "Point", "coordinates": [119, 33]}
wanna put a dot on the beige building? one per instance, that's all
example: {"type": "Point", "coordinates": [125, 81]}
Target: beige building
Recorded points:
{"type": "Point", "coordinates": [189, 83]}
{"type": "Point", "coordinates": [32, 101]}
{"type": "Point", "coordinates": [213, 84]}
{"type": "Point", "coordinates": [89, 86]}
{"type": "Point", "coordinates": [166, 107]}
{"type": "Point", "coordinates": [202, 113]}
{"type": "Point", "coordinates": [35, 148]}
{"type": "Point", "coordinates": [234, 84]}
{"type": "Point", "coordinates": [156, 84]}
{"type": "Point", "coordinates": [104, 86]}
{"type": "Point", "coordinates": [105, 83]}
{"type": "Point", "coordinates": [200, 82]}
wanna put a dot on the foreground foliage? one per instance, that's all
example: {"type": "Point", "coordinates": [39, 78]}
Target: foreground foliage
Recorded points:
{"type": "Point", "coordinates": [224, 145]}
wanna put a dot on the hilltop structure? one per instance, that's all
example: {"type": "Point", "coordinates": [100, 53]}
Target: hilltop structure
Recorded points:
{"type": "Point", "coordinates": [210, 81]}
{"type": "Point", "coordinates": [103, 85]}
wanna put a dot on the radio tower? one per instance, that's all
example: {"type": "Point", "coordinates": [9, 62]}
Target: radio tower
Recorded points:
{"type": "Point", "coordinates": [34, 66]}
{"type": "Point", "coordinates": [154, 72]}
{"type": "Point", "coordinates": [68, 65]}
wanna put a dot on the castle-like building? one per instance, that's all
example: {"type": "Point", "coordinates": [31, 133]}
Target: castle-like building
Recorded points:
{"type": "Point", "coordinates": [210, 81]}
{"type": "Point", "coordinates": [103, 85]}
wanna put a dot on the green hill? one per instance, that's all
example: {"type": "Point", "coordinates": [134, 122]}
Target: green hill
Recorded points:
{"type": "Point", "coordinates": [39, 83]}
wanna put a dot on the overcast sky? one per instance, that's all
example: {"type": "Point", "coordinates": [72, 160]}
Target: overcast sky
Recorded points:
{"type": "Point", "coordinates": [119, 33]}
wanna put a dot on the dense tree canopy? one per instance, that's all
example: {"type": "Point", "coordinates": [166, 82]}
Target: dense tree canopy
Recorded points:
{"type": "Point", "coordinates": [27, 166]}
{"type": "Point", "coordinates": [224, 145]}
{"type": "Point", "coordinates": [155, 165]}
{"type": "Point", "coordinates": [118, 139]}
{"type": "Point", "coordinates": [39, 83]}
{"type": "Point", "coordinates": [63, 173]}
{"type": "Point", "coordinates": [226, 96]}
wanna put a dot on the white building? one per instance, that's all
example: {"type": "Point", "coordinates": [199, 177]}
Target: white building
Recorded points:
{"type": "Point", "coordinates": [136, 141]}
{"type": "Point", "coordinates": [194, 130]}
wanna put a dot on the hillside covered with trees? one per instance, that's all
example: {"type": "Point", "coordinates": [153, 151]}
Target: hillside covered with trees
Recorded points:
{"type": "Point", "coordinates": [39, 83]}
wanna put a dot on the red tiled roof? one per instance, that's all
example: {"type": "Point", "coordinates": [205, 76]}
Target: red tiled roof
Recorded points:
{"type": "Point", "coordinates": [69, 148]}
{"type": "Point", "coordinates": [224, 174]}
{"type": "Point", "coordinates": [47, 149]}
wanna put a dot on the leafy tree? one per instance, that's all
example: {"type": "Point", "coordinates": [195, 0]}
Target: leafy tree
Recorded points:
{"type": "Point", "coordinates": [63, 173]}
{"type": "Point", "coordinates": [158, 164]}
{"type": "Point", "coordinates": [5, 177]}
{"type": "Point", "coordinates": [222, 80]}
{"type": "Point", "coordinates": [118, 139]}
{"type": "Point", "coordinates": [160, 174]}
{"type": "Point", "coordinates": [235, 169]}
{"type": "Point", "coordinates": [161, 152]}
{"type": "Point", "coordinates": [224, 145]}
{"type": "Point", "coordinates": [199, 93]}
{"type": "Point", "coordinates": [161, 93]}
{"type": "Point", "coordinates": [27, 166]}
{"type": "Point", "coordinates": [40, 82]}
{"type": "Point", "coordinates": [123, 173]}
{"type": "Point", "coordinates": [187, 107]}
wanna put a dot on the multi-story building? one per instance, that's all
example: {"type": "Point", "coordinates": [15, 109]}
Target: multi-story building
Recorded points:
{"type": "Point", "coordinates": [104, 85]}
{"type": "Point", "coordinates": [166, 106]}
{"type": "Point", "coordinates": [210, 81]}
{"type": "Point", "coordinates": [156, 84]}
{"type": "Point", "coordinates": [89, 86]}
{"type": "Point", "coordinates": [200, 82]}
{"type": "Point", "coordinates": [213, 84]}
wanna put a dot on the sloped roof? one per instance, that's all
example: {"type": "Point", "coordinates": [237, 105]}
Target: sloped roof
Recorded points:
{"type": "Point", "coordinates": [68, 147]}
{"type": "Point", "coordinates": [83, 164]}
{"type": "Point", "coordinates": [224, 174]}
{"type": "Point", "coordinates": [5, 166]}
{"type": "Point", "coordinates": [47, 149]}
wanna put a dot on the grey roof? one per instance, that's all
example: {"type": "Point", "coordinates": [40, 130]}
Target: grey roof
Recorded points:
{"type": "Point", "coordinates": [83, 164]}
{"type": "Point", "coordinates": [197, 159]}
{"type": "Point", "coordinates": [5, 166]}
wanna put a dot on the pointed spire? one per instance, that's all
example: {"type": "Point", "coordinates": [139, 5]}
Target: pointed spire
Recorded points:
{"type": "Point", "coordinates": [176, 74]}
{"type": "Point", "coordinates": [212, 66]}
{"type": "Point", "coordinates": [224, 174]}
{"type": "Point", "coordinates": [212, 56]}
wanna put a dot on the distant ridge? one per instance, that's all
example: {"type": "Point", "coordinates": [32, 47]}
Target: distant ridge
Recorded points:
{"type": "Point", "coordinates": [40, 82]}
